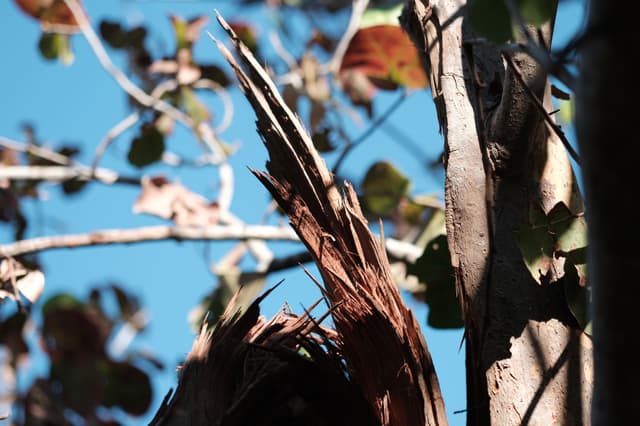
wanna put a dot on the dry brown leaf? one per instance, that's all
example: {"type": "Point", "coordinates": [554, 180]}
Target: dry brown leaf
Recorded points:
{"type": "Point", "coordinates": [172, 201]}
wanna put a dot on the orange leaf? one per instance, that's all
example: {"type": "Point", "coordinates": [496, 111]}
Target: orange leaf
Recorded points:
{"type": "Point", "coordinates": [52, 14]}
{"type": "Point", "coordinates": [386, 56]}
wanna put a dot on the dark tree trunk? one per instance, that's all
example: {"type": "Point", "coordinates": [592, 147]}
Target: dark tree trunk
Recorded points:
{"type": "Point", "coordinates": [606, 114]}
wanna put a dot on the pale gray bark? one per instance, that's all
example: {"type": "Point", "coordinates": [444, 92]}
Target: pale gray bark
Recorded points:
{"type": "Point", "coordinates": [527, 361]}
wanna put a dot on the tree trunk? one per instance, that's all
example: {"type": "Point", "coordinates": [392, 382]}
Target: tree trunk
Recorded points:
{"type": "Point", "coordinates": [528, 361]}
{"type": "Point", "coordinates": [606, 114]}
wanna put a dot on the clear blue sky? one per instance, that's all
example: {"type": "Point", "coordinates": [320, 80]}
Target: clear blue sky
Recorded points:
{"type": "Point", "coordinates": [80, 103]}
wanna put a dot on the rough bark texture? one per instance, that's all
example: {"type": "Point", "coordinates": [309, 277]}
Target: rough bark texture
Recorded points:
{"type": "Point", "coordinates": [527, 361]}
{"type": "Point", "coordinates": [379, 338]}
{"type": "Point", "coordinates": [607, 127]}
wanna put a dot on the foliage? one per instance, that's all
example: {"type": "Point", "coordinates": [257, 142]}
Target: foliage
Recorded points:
{"type": "Point", "coordinates": [85, 378]}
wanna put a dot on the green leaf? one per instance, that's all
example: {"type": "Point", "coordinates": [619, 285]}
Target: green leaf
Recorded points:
{"type": "Point", "coordinates": [536, 12]}
{"type": "Point", "coordinates": [381, 16]}
{"type": "Point", "coordinates": [119, 38]}
{"type": "Point", "coordinates": [322, 140]}
{"type": "Point", "coordinates": [536, 245]}
{"type": "Point", "coordinates": [193, 106]}
{"type": "Point", "coordinates": [566, 111]}
{"type": "Point", "coordinates": [147, 148]}
{"type": "Point", "coordinates": [383, 188]}
{"type": "Point", "coordinates": [578, 295]}
{"type": "Point", "coordinates": [491, 19]}
{"type": "Point", "coordinates": [73, 186]}
{"type": "Point", "coordinates": [215, 73]}
{"type": "Point", "coordinates": [434, 227]}
{"type": "Point", "coordinates": [61, 301]}
{"type": "Point", "coordinates": [113, 34]}
{"type": "Point", "coordinates": [127, 387]}
{"type": "Point", "coordinates": [434, 269]}
{"type": "Point", "coordinates": [56, 46]}
{"type": "Point", "coordinates": [570, 231]}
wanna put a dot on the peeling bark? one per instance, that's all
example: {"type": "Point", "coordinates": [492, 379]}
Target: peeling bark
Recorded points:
{"type": "Point", "coordinates": [501, 159]}
{"type": "Point", "coordinates": [379, 338]}
{"type": "Point", "coordinates": [248, 371]}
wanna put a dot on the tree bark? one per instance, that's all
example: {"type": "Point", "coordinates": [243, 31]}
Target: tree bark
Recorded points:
{"type": "Point", "coordinates": [527, 359]}
{"type": "Point", "coordinates": [606, 122]}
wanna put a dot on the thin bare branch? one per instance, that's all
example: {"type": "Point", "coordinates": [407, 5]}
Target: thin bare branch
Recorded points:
{"type": "Point", "coordinates": [281, 51]}
{"type": "Point", "coordinates": [358, 8]}
{"type": "Point", "coordinates": [536, 101]}
{"type": "Point", "coordinates": [372, 128]}
{"type": "Point", "coordinates": [151, 233]}
{"type": "Point", "coordinates": [203, 130]}
{"type": "Point", "coordinates": [128, 122]}
{"type": "Point", "coordinates": [130, 87]}
{"type": "Point", "coordinates": [253, 233]}
{"type": "Point", "coordinates": [35, 150]}
{"type": "Point", "coordinates": [113, 133]}
{"type": "Point", "coordinates": [63, 173]}
{"type": "Point", "coordinates": [227, 103]}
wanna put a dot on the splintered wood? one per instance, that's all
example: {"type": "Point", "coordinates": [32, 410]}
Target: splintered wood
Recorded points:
{"type": "Point", "coordinates": [378, 337]}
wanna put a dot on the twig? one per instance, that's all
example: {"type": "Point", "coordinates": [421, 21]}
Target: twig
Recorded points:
{"type": "Point", "coordinates": [129, 121]}
{"type": "Point", "coordinates": [280, 50]}
{"type": "Point", "coordinates": [358, 8]}
{"type": "Point", "coordinates": [36, 150]}
{"type": "Point", "coordinates": [113, 133]}
{"type": "Point", "coordinates": [536, 51]}
{"type": "Point", "coordinates": [138, 94]}
{"type": "Point", "coordinates": [547, 118]}
{"type": "Point", "coordinates": [372, 128]}
{"type": "Point", "coordinates": [205, 83]}
{"type": "Point", "coordinates": [63, 173]}
{"type": "Point", "coordinates": [203, 129]}
{"type": "Point", "coordinates": [397, 250]}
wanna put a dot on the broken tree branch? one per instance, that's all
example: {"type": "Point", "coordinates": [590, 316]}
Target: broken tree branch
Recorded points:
{"type": "Point", "coordinates": [367, 308]}
{"type": "Point", "coordinates": [151, 233]}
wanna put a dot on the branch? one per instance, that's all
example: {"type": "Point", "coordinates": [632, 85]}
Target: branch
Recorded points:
{"type": "Point", "coordinates": [256, 233]}
{"type": "Point", "coordinates": [372, 128]}
{"type": "Point", "coordinates": [359, 6]}
{"type": "Point", "coordinates": [203, 129]}
{"type": "Point", "coordinates": [63, 173]}
{"type": "Point", "coordinates": [115, 131]}
{"type": "Point", "coordinates": [396, 249]}
{"type": "Point", "coordinates": [36, 150]}
{"type": "Point", "coordinates": [541, 108]}
{"type": "Point", "coordinates": [151, 233]}
{"type": "Point", "coordinates": [217, 88]}
{"type": "Point", "coordinates": [127, 85]}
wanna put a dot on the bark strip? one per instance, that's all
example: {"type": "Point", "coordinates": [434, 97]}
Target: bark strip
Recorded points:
{"type": "Point", "coordinates": [379, 338]}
